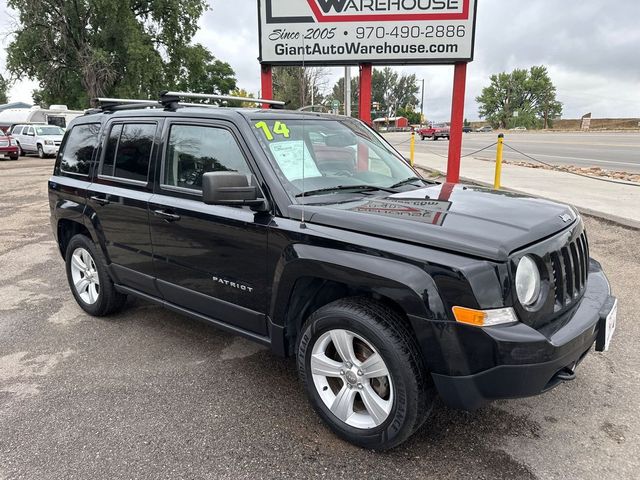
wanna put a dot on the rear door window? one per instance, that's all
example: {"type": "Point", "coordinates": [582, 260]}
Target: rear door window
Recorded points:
{"type": "Point", "coordinates": [128, 151]}
{"type": "Point", "coordinates": [17, 130]}
{"type": "Point", "coordinates": [79, 146]}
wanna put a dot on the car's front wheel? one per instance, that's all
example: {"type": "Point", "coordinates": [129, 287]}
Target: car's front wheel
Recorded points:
{"type": "Point", "coordinates": [89, 280]}
{"type": "Point", "coordinates": [40, 152]}
{"type": "Point", "coordinates": [363, 373]}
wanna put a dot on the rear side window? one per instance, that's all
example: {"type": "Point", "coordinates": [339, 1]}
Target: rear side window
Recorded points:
{"type": "Point", "coordinates": [78, 148]}
{"type": "Point", "coordinates": [17, 130]}
{"type": "Point", "coordinates": [128, 151]}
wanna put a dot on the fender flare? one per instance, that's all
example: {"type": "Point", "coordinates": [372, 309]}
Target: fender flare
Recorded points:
{"type": "Point", "coordinates": [408, 285]}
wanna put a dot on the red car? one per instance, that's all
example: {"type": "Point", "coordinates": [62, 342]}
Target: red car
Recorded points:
{"type": "Point", "coordinates": [8, 148]}
{"type": "Point", "coordinates": [434, 132]}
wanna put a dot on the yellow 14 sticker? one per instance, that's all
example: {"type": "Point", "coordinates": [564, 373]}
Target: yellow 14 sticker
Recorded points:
{"type": "Point", "coordinates": [279, 128]}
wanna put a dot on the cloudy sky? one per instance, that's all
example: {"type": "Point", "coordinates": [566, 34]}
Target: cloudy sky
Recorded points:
{"type": "Point", "coordinates": [592, 49]}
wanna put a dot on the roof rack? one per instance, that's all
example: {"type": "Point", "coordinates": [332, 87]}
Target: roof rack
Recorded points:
{"type": "Point", "coordinates": [174, 97]}
{"type": "Point", "coordinates": [171, 100]}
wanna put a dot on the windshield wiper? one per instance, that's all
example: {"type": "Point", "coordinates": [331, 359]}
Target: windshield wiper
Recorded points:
{"type": "Point", "coordinates": [357, 188]}
{"type": "Point", "coordinates": [408, 181]}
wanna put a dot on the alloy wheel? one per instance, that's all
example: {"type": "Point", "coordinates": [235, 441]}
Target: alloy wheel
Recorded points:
{"type": "Point", "coordinates": [352, 379]}
{"type": "Point", "coordinates": [85, 276]}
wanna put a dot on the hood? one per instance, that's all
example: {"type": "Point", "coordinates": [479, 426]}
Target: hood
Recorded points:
{"type": "Point", "coordinates": [471, 220]}
{"type": "Point", "coordinates": [55, 138]}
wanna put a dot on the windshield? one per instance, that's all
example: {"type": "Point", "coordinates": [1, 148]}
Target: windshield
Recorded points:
{"type": "Point", "coordinates": [43, 131]}
{"type": "Point", "coordinates": [322, 157]}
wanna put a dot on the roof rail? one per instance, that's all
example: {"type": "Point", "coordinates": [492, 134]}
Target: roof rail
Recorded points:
{"type": "Point", "coordinates": [171, 100]}
{"type": "Point", "coordinates": [112, 104]}
{"type": "Point", "coordinates": [174, 97]}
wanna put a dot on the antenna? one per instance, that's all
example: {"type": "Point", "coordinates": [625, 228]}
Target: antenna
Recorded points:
{"type": "Point", "coordinates": [304, 77]}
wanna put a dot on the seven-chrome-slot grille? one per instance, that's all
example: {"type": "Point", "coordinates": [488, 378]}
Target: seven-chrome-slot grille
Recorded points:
{"type": "Point", "coordinates": [570, 268]}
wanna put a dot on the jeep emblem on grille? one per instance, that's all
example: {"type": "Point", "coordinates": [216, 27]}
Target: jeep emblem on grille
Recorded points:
{"type": "Point", "coordinates": [565, 218]}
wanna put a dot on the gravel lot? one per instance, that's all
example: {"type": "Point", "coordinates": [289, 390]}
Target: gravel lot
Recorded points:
{"type": "Point", "coordinates": [149, 394]}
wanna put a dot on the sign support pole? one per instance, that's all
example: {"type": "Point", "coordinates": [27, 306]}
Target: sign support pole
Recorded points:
{"type": "Point", "coordinates": [364, 101]}
{"type": "Point", "coordinates": [266, 78]}
{"type": "Point", "coordinates": [347, 91]}
{"type": "Point", "coordinates": [457, 120]}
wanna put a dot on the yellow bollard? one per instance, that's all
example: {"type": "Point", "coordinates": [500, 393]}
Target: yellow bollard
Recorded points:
{"type": "Point", "coordinates": [412, 148]}
{"type": "Point", "coordinates": [499, 150]}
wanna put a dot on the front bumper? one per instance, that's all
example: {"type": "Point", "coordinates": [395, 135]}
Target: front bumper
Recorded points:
{"type": "Point", "coordinates": [6, 152]}
{"type": "Point", "coordinates": [526, 361]}
{"type": "Point", "coordinates": [50, 149]}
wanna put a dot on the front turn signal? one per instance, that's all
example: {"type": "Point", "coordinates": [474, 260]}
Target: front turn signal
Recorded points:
{"type": "Point", "coordinates": [484, 318]}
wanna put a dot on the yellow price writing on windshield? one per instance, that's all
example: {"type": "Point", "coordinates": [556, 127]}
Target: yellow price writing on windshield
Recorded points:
{"type": "Point", "coordinates": [279, 128]}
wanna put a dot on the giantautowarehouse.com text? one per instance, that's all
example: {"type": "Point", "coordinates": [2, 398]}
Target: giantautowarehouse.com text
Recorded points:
{"type": "Point", "coordinates": [357, 48]}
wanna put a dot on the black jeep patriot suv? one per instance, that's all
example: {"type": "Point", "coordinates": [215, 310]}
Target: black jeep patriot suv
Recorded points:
{"type": "Point", "coordinates": [310, 234]}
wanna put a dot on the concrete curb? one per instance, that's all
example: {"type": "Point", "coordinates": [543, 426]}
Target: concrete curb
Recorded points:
{"type": "Point", "coordinates": [627, 222]}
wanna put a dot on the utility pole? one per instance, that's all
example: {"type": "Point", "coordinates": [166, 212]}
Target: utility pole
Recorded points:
{"type": "Point", "coordinates": [422, 104]}
{"type": "Point", "coordinates": [347, 91]}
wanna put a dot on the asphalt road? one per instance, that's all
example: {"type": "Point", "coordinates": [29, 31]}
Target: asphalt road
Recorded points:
{"type": "Point", "coordinates": [610, 151]}
{"type": "Point", "coordinates": [148, 394]}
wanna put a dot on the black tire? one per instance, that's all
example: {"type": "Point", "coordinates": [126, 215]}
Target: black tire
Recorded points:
{"type": "Point", "coordinates": [422, 137]}
{"type": "Point", "coordinates": [41, 152]}
{"type": "Point", "coordinates": [385, 330]}
{"type": "Point", "coordinates": [109, 299]}
{"type": "Point", "coordinates": [14, 158]}
{"type": "Point", "coordinates": [20, 151]}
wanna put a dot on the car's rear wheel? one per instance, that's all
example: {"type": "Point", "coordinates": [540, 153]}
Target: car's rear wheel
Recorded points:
{"type": "Point", "coordinates": [89, 280]}
{"type": "Point", "coordinates": [20, 150]}
{"type": "Point", "coordinates": [363, 373]}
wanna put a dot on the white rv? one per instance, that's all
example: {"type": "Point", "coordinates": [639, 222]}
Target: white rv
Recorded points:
{"type": "Point", "coordinates": [58, 115]}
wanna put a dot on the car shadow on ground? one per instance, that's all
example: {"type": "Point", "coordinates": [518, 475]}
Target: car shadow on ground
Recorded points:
{"type": "Point", "coordinates": [472, 439]}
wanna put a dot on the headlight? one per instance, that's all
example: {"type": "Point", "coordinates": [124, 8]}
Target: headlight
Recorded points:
{"type": "Point", "coordinates": [527, 281]}
{"type": "Point", "coordinates": [48, 142]}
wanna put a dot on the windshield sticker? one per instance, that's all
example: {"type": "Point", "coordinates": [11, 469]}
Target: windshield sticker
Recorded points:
{"type": "Point", "coordinates": [289, 156]}
{"type": "Point", "coordinates": [279, 128]}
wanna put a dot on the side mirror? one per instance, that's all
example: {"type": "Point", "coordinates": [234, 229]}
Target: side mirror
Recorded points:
{"type": "Point", "coordinates": [231, 188]}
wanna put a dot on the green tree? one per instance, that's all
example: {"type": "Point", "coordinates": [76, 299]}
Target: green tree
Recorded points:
{"type": "Point", "coordinates": [299, 86]}
{"type": "Point", "coordinates": [410, 114]}
{"type": "Point", "coordinates": [81, 49]}
{"type": "Point", "coordinates": [393, 91]}
{"type": "Point", "coordinates": [241, 92]}
{"type": "Point", "coordinates": [337, 93]}
{"type": "Point", "coordinates": [524, 98]}
{"type": "Point", "coordinates": [4, 88]}
{"type": "Point", "coordinates": [200, 72]}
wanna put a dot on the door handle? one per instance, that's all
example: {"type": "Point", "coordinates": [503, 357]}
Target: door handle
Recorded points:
{"type": "Point", "coordinates": [168, 217]}
{"type": "Point", "coordinates": [100, 200]}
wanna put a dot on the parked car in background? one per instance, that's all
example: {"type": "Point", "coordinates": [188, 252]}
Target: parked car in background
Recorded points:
{"type": "Point", "coordinates": [434, 132]}
{"type": "Point", "coordinates": [466, 129]}
{"type": "Point", "coordinates": [8, 147]}
{"type": "Point", "coordinates": [38, 138]}
{"type": "Point", "coordinates": [485, 129]}
{"type": "Point", "coordinates": [518, 129]}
